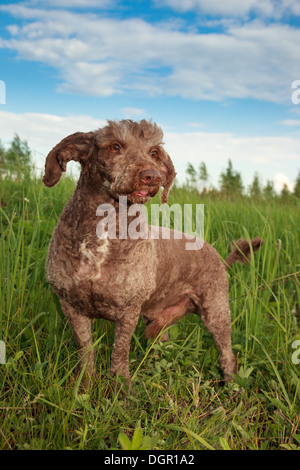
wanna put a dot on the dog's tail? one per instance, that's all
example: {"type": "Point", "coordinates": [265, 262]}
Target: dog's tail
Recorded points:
{"type": "Point", "coordinates": [241, 251]}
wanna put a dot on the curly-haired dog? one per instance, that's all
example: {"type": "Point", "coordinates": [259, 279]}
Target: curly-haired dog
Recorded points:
{"type": "Point", "coordinates": [122, 278]}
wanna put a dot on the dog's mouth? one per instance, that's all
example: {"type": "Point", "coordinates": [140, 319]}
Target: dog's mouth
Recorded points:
{"type": "Point", "coordinates": [142, 193]}
{"type": "Point", "coordinates": [138, 194]}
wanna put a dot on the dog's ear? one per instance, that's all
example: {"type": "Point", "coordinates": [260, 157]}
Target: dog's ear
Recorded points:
{"type": "Point", "coordinates": [169, 172]}
{"type": "Point", "coordinates": [78, 147]}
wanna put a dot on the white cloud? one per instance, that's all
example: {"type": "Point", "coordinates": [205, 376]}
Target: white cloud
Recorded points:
{"type": "Point", "coordinates": [100, 4]}
{"type": "Point", "coordinates": [265, 155]}
{"type": "Point", "coordinates": [43, 131]}
{"type": "Point", "coordinates": [281, 180]}
{"type": "Point", "coordinates": [196, 125]}
{"type": "Point", "coordinates": [102, 57]}
{"type": "Point", "coordinates": [219, 7]}
{"type": "Point", "coordinates": [236, 8]}
{"type": "Point", "coordinates": [132, 112]}
{"type": "Point", "coordinates": [96, 79]}
{"type": "Point", "coordinates": [291, 122]}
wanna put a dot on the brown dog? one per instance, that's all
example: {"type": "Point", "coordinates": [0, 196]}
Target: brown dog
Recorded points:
{"type": "Point", "coordinates": [120, 278]}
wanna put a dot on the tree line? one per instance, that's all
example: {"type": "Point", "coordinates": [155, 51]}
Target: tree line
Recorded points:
{"type": "Point", "coordinates": [231, 184]}
{"type": "Point", "coordinates": [17, 157]}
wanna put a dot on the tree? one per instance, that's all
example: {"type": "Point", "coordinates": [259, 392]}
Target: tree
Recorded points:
{"type": "Point", "coordinates": [297, 186]}
{"type": "Point", "coordinates": [285, 193]}
{"type": "Point", "coordinates": [268, 190]}
{"type": "Point", "coordinates": [192, 174]}
{"type": "Point", "coordinates": [203, 175]}
{"type": "Point", "coordinates": [231, 181]}
{"type": "Point", "coordinates": [255, 187]}
{"type": "Point", "coordinates": [18, 155]}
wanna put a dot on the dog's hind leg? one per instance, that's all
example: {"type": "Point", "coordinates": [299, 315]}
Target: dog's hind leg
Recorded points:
{"type": "Point", "coordinates": [166, 318]}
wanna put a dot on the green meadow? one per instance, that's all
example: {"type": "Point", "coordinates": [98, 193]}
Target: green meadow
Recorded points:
{"type": "Point", "coordinates": [177, 400]}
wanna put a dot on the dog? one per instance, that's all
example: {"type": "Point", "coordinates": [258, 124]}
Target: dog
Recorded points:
{"type": "Point", "coordinates": [121, 278]}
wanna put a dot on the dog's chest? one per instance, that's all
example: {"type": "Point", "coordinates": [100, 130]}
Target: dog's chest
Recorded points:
{"type": "Point", "coordinates": [91, 261]}
{"type": "Point", "coordinates": [115, 275]}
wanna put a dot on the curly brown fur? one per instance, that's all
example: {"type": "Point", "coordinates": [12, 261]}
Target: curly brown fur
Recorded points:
{"type": "Point", "coordinates": [121, 279]}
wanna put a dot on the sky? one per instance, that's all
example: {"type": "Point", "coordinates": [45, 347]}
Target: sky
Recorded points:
{"type": "Point", "coordinates": [222, 78]}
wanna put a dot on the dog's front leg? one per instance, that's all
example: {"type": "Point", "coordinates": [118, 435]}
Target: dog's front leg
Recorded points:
{"type": "Point", "coordinates": [124, 328]}
{"type": "Point", "coordinates": [81, 326]}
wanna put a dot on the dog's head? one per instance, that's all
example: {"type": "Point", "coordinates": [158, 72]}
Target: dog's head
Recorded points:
{"type": "Point", "coordinates": [125, 157]}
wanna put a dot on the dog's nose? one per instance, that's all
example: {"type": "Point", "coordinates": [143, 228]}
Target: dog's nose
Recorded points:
{"type": "Point", "coordinates": [150, 177]}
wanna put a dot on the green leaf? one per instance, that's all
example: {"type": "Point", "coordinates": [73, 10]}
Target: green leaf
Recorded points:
{"type": "Point", "coordinates": [224, 444]}
{"type": "Point", "coordinates": [147, 443]}
{"type": "Point", "coordinates": [137, 439]}
{"type": "Point", "coordinates": [139, 442]}
{"type": "Point", "coordinates": [18, 355]}
{"type": "Point", "coordinates": [245, 373]}
{"type": "Point", "coordinates": [241, 431]}
{"type": "Point", "coordinates": [124, 441]}
{"type": "Point", "coordinates": [297, 437]}
{"type": "Point", "coordinates": [174, 332]}
{"type": "Point", "coordinates": [199, 439]}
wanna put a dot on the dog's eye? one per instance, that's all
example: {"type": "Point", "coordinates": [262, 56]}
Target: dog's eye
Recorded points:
{"type": "Point", "coordinates": [115, 147]}
{"type": "Point", "coordinates": [154, 154]}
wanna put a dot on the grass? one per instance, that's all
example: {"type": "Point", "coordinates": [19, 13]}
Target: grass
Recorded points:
{"type": "Point", "coordinates": [177, 401]}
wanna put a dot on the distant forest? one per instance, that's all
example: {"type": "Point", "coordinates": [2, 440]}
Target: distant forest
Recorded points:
{"type": "Point", "coordinates": [17, 158]}
{"type": "Point", "coordinates": [231, 184]}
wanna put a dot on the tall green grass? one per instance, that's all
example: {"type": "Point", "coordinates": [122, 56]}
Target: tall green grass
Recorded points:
{"type": "Point", "coordinates": [177, 398]}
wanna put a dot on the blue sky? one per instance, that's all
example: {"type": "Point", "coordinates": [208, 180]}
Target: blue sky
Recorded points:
{"type": "Point", "coordinates": [217, 76]}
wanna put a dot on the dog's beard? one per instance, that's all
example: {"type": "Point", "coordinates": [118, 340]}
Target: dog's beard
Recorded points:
{"type": "Point", "coordinates": [136, 193]}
